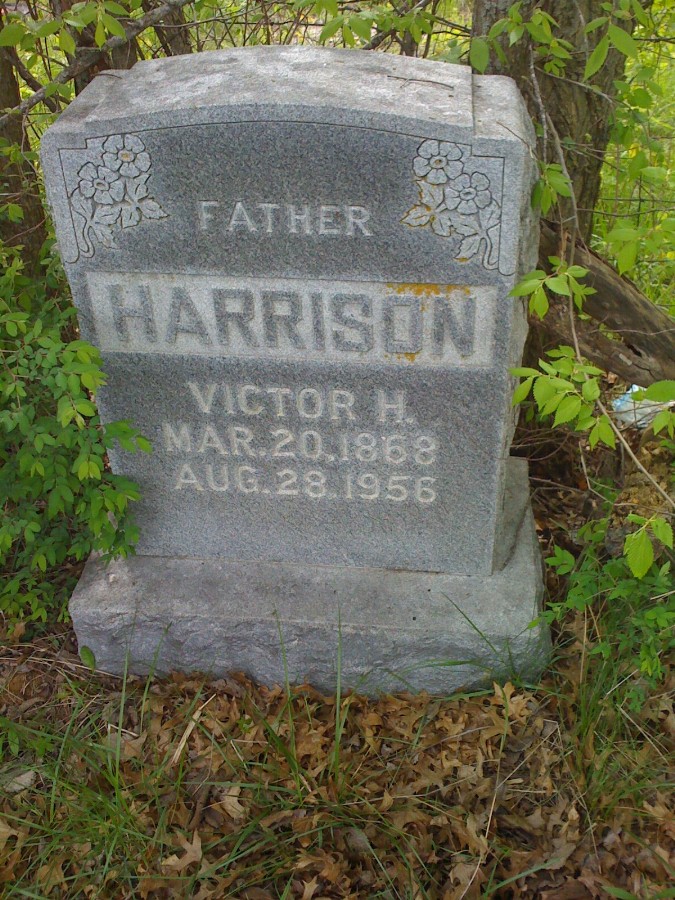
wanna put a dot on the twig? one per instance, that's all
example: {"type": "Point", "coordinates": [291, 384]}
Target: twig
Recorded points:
{"type": "Point", "coordinates": [627, 447]}
{"type": "Point", "coordinates": [382, 36]}
{"type": "Point", "coordinates": [572, 198]}
{"type": "Point", "coordinates": [90, 56]}
{"type": "Point", "coordinates": [12, 57]}
{"type": "Point", "coordinates": [540, 103]}
{"type": "Point", "coordinates": [586, 476]}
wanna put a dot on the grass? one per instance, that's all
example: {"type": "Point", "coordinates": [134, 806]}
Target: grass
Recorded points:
{"type": "Point", "coordinates": [183, 787]}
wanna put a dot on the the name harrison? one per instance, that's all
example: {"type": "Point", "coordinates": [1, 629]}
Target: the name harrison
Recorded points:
{"type": "Point", "coordinates": [293, 319]}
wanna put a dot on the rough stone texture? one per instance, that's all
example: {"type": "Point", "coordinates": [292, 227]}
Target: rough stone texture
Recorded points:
{"type": "Point", "coordinates": [296, 263]}
{"type": "Point", "coordinates": [384, 630]}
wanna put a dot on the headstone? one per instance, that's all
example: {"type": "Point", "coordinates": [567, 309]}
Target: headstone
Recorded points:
{"type": "Point", "coordinates": [296, 263]}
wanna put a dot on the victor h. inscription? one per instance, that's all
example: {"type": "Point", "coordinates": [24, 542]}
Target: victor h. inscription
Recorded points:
{"type": "Point", "coordinates": [314, 443]}
{"type": "Point", "coordinates": [436, 325]}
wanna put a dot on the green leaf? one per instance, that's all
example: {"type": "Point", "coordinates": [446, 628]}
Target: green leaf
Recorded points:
{"type": "Point", "coordinates": [559, 284]}
{"type": "Point", "coordinates": [568, 409]}
{"type": "Point", "coordinates": [11, 34]}
{"type": "Point", "coordinates": [595, 23]}
{"type": "Point", "coordinates": [626, 257]}
{"type": "Point", "coordinates": [562, 561]}
{"type": "Point", "coordinates": [331, 27]}
{"type": "Point", "coordinates": [99, 34]}
{"type": "Point", "coordinates": [543, 391]}
{"type": "Point", "coordinates": [539, 302]}
{"type": "Point", "coordinates": [362, 27]}
{"type": "Point", "coordinates": [654, 174]}
{"type": "Point", "coordinates": [597, 58]}
{"type": "Point", "coordinates": [522, 391]}
{"type": "Point", "coordinates": [498, 28]}
{"type": "Point", "coordinates": [623, 41]}
{"type": "Point", "coordinates": [116, 8]}
{"type": "Point", "coordinates": [606, 432]}
{"type": "Point", "coordinates": [526, 286]}
{"type": "Point", "coordinates": [590, 391]}
{"type": "Point", "coordinates": [48, 27]}
{"type": "Point", "coordinates": [663, 531]}
{"type": "Point", "coordinates": [639, 13]}
{"type": "Point", "coordinates": [479, 54]}
{"type": "Point", "coordinates": [660, 391]}
{"type": "Point", "coordinates": [85, 407]}
{"type": "Point", "coordinates": [639, 553]}
{"type": "Point", "coordinates": [87, 657]}
{"type": "Point", "coordinates": [664, 419]}
{"type": "Point", "coordinates": [66, 42]}
{"type": "Point", "coordinates": [113, 26]}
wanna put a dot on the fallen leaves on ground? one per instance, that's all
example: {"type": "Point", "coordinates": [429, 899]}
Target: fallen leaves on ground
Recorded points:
{"type": "Point", "coordinates": [186, 788]}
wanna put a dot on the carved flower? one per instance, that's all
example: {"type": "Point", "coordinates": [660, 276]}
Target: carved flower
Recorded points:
{"type": "Point", "coordinates": [436, 161]}
{"type": "Point", "coordinates": [126, 154]}
{"type": "Point", "coordinates": [99, 182]}
{"type": "Point", "coordinates": [468, 193]}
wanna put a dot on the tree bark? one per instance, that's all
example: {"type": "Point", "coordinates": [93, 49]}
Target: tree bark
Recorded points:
{"type": "Point", "coordinates": [18, 179]}
{"type": "Point", "coordinates": [173, 34]}
{"type": "Point", "coordinates": [643, 347]}
{"type": "Point", "coordinates": [630, 335]}
{"type": "Point", "coordinates": [581, 116]}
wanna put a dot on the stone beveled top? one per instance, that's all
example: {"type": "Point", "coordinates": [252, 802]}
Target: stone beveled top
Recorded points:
{"type": "Point", "coordinates": [367, 89]}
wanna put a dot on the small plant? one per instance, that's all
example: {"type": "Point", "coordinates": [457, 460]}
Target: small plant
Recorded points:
{"type": "Point", "coordinates": [637, 595]}
{"type": "Point", "coordinates": [567, 390]}
{"type": "Point", "coordinates": [59, 502]}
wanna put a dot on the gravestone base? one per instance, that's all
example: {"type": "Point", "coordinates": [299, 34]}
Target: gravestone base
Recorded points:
{"type": "Point", "coordinates": [382, 630]}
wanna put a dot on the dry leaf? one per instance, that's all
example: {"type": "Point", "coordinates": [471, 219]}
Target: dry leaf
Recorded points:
{"type": "Point", "coordinates": [50, 875]}
{"type": "Point", "coordinates": [228, 802]}
{"type": "Point", "coordinates": [6, 833]}
{"type": "Point", "coordinates": [193, 854]}
{"type": "Point", "coordinates": [21, 782]}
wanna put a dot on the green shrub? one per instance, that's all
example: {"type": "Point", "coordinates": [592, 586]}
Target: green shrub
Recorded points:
{"type": "Point", "coordinates": [59, 502]}
{"type": "Point", "coordinates": [637, 615]}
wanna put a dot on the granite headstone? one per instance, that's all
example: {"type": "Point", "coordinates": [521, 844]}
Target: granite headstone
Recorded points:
{"type": "Point", "coordinates": [296, 263]}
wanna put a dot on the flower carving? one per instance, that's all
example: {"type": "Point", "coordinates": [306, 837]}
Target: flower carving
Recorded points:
{"type": "Point", "coordinates": [112, 192]}
{"type": "Point", "coordinates": [126, 154]}
{"type": "Point", "coordinates": [100, 183]}
{"type": "Point", "coordinates": [455, 203]}
{"type": "Point", "coordinates": [468, 193]}
{"type": "Point", "coordinates": [437, 161]}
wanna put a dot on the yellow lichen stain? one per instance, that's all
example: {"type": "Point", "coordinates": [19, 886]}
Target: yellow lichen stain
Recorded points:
{"type": "Point", "coordinates": [407, 357]}
{"type": "Point", "coordinates": [423, 289]}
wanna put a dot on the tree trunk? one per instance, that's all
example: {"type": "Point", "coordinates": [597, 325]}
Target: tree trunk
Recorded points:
{"type": "Point", "coordinates": [173, 34]}
{"type": "Point", "coordinates": [630, 336]}
{"type": "Point", "coordinates": [18, 180]}
{"type": "Point", "coordinates": [645, 349]}
{"type": "Point", "coordinates": [121, 57]}
{"type": "Point", "coordinates": [580, 116]}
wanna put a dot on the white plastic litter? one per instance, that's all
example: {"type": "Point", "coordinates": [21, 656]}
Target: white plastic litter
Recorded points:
{"type": "Point", "coordinates": [636, 413]}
